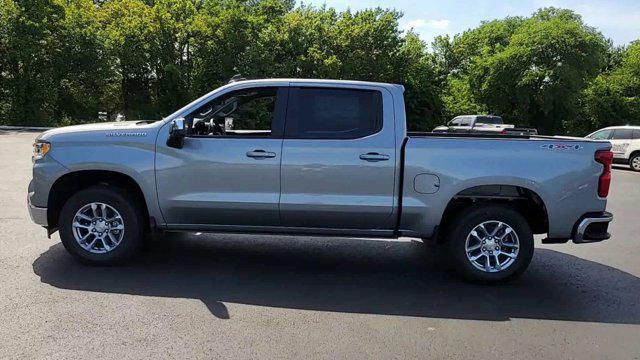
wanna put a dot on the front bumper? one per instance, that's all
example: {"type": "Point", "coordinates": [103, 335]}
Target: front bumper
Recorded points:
{"type": "Point", "coordinates": [38, 215]}
{"type": "Point", "coordinates": [592, 227]}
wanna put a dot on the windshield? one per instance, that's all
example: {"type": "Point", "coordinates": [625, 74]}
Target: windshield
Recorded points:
{"type": "Point", "coordinates": [601, 134]}
{"type": "Point", "coordinates": [195, 102]}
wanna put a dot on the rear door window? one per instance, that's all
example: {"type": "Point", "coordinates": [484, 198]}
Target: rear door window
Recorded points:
{"type": "Point", "coordinates": [328, 113]}
{"type": "Point", "coordinates": [636, 134]}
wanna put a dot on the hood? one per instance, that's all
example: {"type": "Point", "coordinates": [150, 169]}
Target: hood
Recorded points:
{"type": "Point", "coordinates": [120, 128]}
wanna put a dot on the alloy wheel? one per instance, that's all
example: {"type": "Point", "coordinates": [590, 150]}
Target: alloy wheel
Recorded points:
{"type": "Point", "coordinates": [98, 228]}
{"type": "Point", "coordinates": [492, 246]}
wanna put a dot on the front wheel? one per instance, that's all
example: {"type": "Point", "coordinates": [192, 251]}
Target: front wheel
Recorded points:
{"type": "Point", "coordinates": [634, 162]}
{"type": "Point", "coordinates": [490, 244]}
{"type": "Point", "coordinates": [101, 225]}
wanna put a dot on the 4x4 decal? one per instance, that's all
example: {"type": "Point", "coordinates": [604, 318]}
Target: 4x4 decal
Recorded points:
{"type": "Point", "coordinates": [561, 146]}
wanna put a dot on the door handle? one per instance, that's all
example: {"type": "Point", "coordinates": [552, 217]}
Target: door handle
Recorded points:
{"type": "Point", "coordinates": [374, 156]}
{"type": "Point", "coordinates": [260, 154]}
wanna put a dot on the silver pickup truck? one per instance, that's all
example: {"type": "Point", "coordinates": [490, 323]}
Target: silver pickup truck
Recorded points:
{"type": "Point", "coordinates": [317, 157]}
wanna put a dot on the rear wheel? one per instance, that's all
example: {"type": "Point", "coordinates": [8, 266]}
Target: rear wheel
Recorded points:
{"type": "Point", "coordinates": [490, 244]}
{"type": "Point", "coordinates": [634, 162]}
{"type": "Point", "coordinates": [101, 225]}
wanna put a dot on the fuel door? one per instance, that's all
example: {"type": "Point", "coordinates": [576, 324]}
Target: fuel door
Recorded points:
{"type": "Point", "coordinates": [426, 183]}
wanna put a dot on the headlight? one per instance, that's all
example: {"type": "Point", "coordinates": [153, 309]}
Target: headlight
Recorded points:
{"type": "Point", "coordinates": [40, 149]}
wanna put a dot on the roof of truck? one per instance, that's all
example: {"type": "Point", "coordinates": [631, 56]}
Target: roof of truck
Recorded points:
{"type": "Point", "coordinates": [320, 81]}
{"type": "Point", "coordinates": [621, 127]}
{"type": "Point", "coordinates": [241, 83]}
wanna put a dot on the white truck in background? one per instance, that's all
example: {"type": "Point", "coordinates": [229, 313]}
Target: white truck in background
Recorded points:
{"type": "Point", "coordinates": [486, 124]}
{"type": "Point", "coordinates": [625, 142]}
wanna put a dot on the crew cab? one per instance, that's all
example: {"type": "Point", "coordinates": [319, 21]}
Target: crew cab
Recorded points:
{"type": "Point", "coordinates": [489, 124]}
{"type": "Point", "coordinates": [317, 157]}
{"type": "Point", "coordinates": [625, 141]}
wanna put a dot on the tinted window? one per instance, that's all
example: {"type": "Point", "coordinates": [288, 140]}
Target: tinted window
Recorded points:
{"type": "Point", "coordinates": [601, 135]}
{"type": "Point", "coordinates": [622, 134]}
{"type": "Point", "coordinates": [636, 133]}
{"type": "Point", "coordinates": [316, 113]}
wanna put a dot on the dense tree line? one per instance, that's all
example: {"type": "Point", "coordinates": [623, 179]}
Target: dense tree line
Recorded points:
{"type": "Point", "coordinates": [64, 61]}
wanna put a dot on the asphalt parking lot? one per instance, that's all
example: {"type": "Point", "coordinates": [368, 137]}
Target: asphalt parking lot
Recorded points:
{"type": "Point", "coordinates": [234, 296]}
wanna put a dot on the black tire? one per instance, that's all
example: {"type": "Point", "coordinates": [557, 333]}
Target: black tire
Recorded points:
{"type": "Point", "coordinates": [469, 218]}
{"type": "Point", "coordinates": [635, 159]}
{"type": "Point", "coordinates": [130, 211]}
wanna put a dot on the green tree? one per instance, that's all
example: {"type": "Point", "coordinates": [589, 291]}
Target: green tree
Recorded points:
{"type": "Point", "coordinates": [368, 44]}
{"type": "Point", "coordinates": [539, 75]}
{"type": "Point", "coordinates": [302, 44]}
{"type": "Point", "coordinates": [613, 98]}
{"type": "Point", "coordinates": [529, 70]}
{"type": "Point", "coordinates": [63, 61]}
{"type": "Point", "coordinates": [423, 100]}
{"type": "Point", "coordinates": [30, 48]}
{"type": "Point", "coordinates": [8, 14]}
{"type": "Point", "coordinates": [457, 62]}
{"type": "Point", "coordinates": [459, 98]}
{"type": "Point", "coordinates": [222, 32]}
{"type": "Point", "coordinates": [129, 29]}
{"type": "Point", "coordinates": [86, 81]}
{"type": "Point", "coordinates": [170, 55]}
{"type": "Point", "coordinates": [466, 49]}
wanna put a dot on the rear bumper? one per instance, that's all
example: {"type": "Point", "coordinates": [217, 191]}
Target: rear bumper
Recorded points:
{"type": "Point", "coordinates": [38, 215]}
{"type": "Point", "coordinates": [592, 227]}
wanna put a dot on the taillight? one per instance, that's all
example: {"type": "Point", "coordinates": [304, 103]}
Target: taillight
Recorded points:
{"type": "Point", "coordinates": [504, 131]}
{"type": "Point", "coordinates": [604, 157]}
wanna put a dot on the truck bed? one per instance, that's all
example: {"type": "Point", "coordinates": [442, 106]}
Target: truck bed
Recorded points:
{"type": "Point", "coordinates": [437, 167]}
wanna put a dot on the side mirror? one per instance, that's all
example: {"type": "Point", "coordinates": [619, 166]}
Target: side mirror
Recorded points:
{"type": "Point", "coordinates": [177, 132]}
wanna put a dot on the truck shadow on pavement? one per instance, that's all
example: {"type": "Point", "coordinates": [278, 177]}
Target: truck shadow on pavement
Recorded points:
{"type": "Point", "coordinates": [354, 276]}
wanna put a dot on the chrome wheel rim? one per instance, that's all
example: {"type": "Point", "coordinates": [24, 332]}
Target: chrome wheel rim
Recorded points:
{"type": "Point", "coordinates": [492, 246]}
{"type": "Point", "coordinates": [98, 228]}
{"type": "Point", "coordinates": [635, 163]}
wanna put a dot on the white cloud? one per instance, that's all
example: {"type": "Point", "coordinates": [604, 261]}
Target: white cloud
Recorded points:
{"type": "Point", "coordinates": [418, 24]}
{"type": "Point", "coordinates": [438, 24]}
{"type": "Point", "coordinates": [415, 24]}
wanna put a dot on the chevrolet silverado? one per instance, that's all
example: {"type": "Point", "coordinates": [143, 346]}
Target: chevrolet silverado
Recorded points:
{"type": "Point", "coordinates": [317, 157]}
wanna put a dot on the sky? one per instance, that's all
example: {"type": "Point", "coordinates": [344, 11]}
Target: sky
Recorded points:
{"type": "Point", "coordinates": [618, 20]}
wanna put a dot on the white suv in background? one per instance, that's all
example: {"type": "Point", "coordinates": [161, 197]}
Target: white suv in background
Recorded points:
{"type": "Point", "coordinates": [625, 141]}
